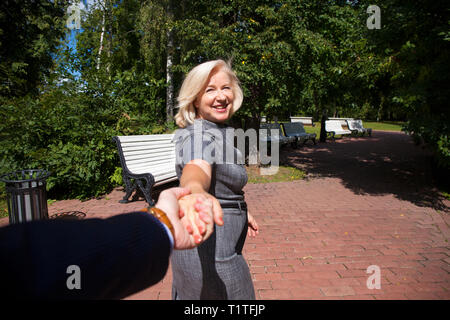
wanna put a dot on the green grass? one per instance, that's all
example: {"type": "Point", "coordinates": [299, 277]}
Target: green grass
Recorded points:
{"type": "Point", "coordinates": [284, 174]}
{"type": "Point", "coordinates": [380, 126]}
{"type": "Point", "coordinates": [384, 126]}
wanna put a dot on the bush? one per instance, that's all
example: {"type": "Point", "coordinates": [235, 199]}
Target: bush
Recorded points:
{"type": "Point", "coordinates": [69, 133]}
{"type": "Point", "coordinates": [434, 131]}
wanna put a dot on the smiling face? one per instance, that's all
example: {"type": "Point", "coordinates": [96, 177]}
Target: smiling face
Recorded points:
{"type": "Point", "coordinates": [215, 101]}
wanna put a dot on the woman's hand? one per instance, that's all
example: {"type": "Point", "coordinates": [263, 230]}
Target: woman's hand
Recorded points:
{"type": "Point", "coordinates": [184, 238]}
{"type": "Point", "coordinates": [194, 222]}
{"type": "Point", "coordinates": [253, 229]}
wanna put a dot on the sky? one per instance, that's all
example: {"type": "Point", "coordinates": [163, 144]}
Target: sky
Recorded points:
{"type": "Point", "coordinates": [74, 24]}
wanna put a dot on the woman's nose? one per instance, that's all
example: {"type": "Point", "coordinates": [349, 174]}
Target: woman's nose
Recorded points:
{"type": "Point", "coordinates": [220, 95]}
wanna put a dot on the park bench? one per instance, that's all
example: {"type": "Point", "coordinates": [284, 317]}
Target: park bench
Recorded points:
{"type": "Point", "coordinates": [282, 139]}
{"type": "Point", "coordinates": [147, 161]}
{"type": "Point", "coordinates": [342, 121]}
{"type": "Point", "coordinates": [296, 129]}
{"type": "Point", "coordinates": [357, 127]}
{"type": "Point", "coordinates": [334, 127]}
{"type": "Point", "coordinates": [308, 121]}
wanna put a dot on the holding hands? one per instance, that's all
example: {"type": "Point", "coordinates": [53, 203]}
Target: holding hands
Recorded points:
{"type": "Point", "coordinates": [191, 215]}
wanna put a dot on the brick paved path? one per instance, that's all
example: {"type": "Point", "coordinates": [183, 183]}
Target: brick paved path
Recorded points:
{"type": "Point", "coordinates": [366, 201]}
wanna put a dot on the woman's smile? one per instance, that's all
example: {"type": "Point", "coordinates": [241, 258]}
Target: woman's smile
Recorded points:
{"type": "Point", "coordinates": [221, 108]}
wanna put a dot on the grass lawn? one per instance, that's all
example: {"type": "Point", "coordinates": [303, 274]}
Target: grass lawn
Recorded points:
{"type": "Point", "coordinates": [284, 174]}
{"type": "Point", "coordinates": [384, 126]}
{"type": "Point", "coordinates": [381, 126]}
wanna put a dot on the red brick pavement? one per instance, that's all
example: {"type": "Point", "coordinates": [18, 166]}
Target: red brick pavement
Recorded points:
{"type": "Point", "coordinates": [366, 201]}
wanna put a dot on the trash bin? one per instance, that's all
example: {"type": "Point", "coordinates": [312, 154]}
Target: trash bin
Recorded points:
{"type": "Point", "coordinates": [26, 195]}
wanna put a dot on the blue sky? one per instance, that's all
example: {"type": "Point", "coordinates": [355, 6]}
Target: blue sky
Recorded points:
{"type": "Point", "coordinates": [74, 27]}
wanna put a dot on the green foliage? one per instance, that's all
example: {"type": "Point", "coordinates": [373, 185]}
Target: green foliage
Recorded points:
{"type": "Point", "coordinates": [116, 178]}
{"type": "Point", "coordinates": [30, 32]}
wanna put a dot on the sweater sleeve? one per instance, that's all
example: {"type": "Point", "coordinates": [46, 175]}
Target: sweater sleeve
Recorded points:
{"type": "Point", "coordinates": [113, 257]}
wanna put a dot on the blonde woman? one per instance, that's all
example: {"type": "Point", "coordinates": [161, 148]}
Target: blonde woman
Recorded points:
{"type": "Point", "coordinates": [209, 96]}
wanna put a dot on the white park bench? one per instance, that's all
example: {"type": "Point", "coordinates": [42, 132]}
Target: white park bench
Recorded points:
{"type": "Point", "coordinates": [334, 127]}
{"type": "Point", "coordinates": [147, 161]}
{"type": "Point", "coordinates": [357, 127]}
{"type": "Point", "coordinates": [305, 120]}
{"type": "Point", "coordinates": [342, 121]}
{"type": "Point", "coordinates": [296, 129]}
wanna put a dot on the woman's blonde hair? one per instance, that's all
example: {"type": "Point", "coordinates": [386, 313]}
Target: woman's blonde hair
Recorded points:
{"type": "Point", "coordinates": [193, 84]}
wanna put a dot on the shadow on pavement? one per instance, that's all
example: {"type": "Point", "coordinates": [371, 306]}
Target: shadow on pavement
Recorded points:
{"type": "Point", "coordinates": [386, 163]}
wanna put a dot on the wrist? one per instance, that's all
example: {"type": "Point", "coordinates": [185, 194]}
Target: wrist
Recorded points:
{"type": "Point", "coordinates": [195, 187]}
{"type": "Point", "coordinates": [160, 214]}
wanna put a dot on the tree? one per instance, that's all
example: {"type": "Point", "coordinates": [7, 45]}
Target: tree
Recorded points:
{"type": "Point", "coordinates": [30, 32]}
{"type": "Point", "coordinates": [413, 49]}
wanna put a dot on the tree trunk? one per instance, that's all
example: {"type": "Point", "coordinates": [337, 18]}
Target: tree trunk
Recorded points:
{"type": "Point", "coordinates": [323, 133]}
{"type": "Point", "coordinates": [110, 36]}
{"type": "Point", "coordinates": [169, 79]}
{"type": "Point", "coordinates": [100, 49]}
{"type": "Point", "coordinates": [169, 62]}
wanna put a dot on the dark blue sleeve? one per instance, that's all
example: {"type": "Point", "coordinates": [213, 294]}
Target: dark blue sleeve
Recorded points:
{"type": "Point", "coordinates": [116, 257]}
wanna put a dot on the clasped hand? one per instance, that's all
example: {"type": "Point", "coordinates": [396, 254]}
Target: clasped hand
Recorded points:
{"type": "Point", "coordinates": [192, 216]}
{"type": "Point", "coordinates": [191, 203]}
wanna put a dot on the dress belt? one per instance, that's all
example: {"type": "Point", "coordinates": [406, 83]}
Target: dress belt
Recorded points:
{"type": "Point", "coordinates": [241, 205]}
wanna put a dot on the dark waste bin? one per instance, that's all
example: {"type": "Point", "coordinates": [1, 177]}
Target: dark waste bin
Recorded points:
{"type": "Point", "coordinates": [26, 195]}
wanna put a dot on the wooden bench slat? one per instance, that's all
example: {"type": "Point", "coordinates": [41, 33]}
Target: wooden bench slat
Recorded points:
{"type": "Point", "coordinates": [152, 137]}
{"type": "Point", "coordinates": [144, 159]}
{"type": "Point", "coordinates": [148, 144]}
{"type": "Point", "coordinates": [154, 169]}
{"type": "Point", "coordinates": [129, 147]}
{"type": "Point", "coordinates": [148, 154]}
{"type": "Point", "coordinates": [167, 180]}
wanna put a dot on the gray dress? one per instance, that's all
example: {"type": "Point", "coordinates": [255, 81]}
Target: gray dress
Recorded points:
{"type": "Point", "coordinates": [216, 269]}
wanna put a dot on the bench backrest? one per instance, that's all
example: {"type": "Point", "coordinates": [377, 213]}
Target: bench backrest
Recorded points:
{"type": "Point", "coordinates": [342, 121]}
{"type": "Point", "coordinates": [333, 125]}
{"type": "Point", "coordinates": [293, 128]}
{"type": "Point", "coordinates": [304, 120]}
{"type": "Point", "coordinates": [355, 124]}
{"type": "Point", "coordinates": [271, 126]}
{"type": "Point", "coordinates": [151, 151]}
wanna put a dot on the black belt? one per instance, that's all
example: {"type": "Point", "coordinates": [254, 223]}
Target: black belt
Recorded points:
{"type": "Point", "coordinates": [241, 205]}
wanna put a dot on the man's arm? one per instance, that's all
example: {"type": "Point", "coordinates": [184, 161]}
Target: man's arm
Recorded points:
{"type": "Point", "coordinates": [116, 257]}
